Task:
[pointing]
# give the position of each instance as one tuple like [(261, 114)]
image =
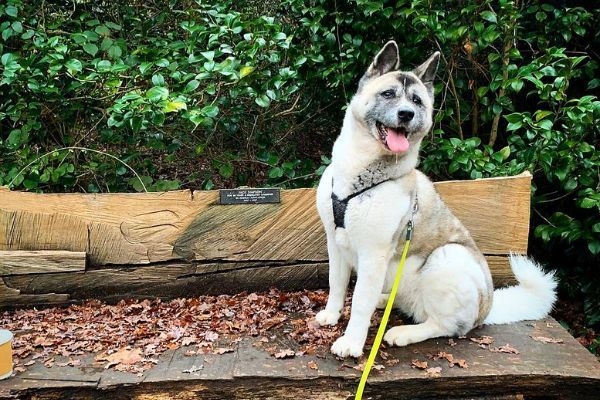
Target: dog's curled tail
[(532, 298)]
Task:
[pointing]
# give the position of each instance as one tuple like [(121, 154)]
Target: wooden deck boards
[(548, 370)]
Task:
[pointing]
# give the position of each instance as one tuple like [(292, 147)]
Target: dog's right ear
[(385, 61)]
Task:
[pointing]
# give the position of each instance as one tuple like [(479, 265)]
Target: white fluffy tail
[(532, 298)]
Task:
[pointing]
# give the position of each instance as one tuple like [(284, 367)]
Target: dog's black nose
[(405, 115)]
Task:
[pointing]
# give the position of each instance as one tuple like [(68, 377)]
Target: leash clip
[(409, 230)]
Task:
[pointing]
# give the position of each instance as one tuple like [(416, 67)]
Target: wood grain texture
[(22, 262), (495, 210), (148, 244), (175, 279), (550, 371)]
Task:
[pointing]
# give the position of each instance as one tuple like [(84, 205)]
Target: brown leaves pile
[(130, 335)]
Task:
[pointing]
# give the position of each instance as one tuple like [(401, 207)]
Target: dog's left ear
[(426, 71), (385, 61)]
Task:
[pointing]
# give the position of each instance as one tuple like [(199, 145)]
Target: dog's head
[(395, 106)]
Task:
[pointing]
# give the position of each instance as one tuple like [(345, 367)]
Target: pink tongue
[(397, 142)]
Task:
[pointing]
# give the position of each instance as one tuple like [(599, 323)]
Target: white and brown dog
[(369, 195)]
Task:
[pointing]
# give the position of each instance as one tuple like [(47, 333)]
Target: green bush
[(190, 94)]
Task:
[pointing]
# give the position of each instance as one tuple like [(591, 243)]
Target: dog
[(368, 197)]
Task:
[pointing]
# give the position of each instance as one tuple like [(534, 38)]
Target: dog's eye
[(417, 100), (388, 94)]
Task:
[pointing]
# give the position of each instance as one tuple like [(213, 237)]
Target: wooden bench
[(62, 248)]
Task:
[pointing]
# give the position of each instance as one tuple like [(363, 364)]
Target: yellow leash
[(385, 318)]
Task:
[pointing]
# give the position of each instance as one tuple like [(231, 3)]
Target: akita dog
[(369, 195)]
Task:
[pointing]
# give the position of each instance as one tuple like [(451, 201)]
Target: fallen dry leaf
[(483, 340), (419, 364), (70, 363), (287, 353), (125, 356), (451, 360), (504, 349), (434, 372), (546, 339), (312, 365)]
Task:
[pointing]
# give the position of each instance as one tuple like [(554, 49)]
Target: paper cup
[(6, 362)]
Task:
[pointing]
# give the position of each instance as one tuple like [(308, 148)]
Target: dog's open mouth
[(394, 139)]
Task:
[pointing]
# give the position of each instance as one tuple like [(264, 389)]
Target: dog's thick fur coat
[(366, 198)]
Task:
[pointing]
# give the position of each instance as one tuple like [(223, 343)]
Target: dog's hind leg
[(451, 288), (407, 334), (339, 276)]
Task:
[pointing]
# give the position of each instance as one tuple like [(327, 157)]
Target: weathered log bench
[(63, 248)]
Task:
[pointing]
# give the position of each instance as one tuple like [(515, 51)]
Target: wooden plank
[(563, 370), (180, 280), (22, 229), (495, 210), (122, 228), (142, 228), (22, 262), (11, 297)]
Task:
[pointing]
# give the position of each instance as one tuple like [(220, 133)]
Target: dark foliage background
[(101, 96)]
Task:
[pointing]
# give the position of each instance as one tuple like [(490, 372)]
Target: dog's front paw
[(345, 346), (397, 336), (325, 317)]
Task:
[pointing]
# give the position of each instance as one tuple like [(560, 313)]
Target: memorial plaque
[(249, 196)]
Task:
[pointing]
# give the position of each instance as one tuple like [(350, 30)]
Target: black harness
[(340, 205)]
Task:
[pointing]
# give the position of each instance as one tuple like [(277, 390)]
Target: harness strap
[(340, 205)]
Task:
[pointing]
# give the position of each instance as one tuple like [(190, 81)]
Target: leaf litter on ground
[(131, 335)]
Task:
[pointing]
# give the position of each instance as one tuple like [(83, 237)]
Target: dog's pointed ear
[(426, 71), (385, 61)]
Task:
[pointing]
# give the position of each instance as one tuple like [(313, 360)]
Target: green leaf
[(136, 123), (191, 86), (263, 101), (113, 26), (174, 106), (594, 247), (209, 55), (11, 11), (275, 173), (17, 27), (90, 48), (74, 66), (102, 30), (245, 71), (489, 16), (541, 114), (157, 93), (586, 202), (158, 80), (505, 152), (210, 111), (145, 66), (158, 119), (114, 51), (548, 71), (226, 170)]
